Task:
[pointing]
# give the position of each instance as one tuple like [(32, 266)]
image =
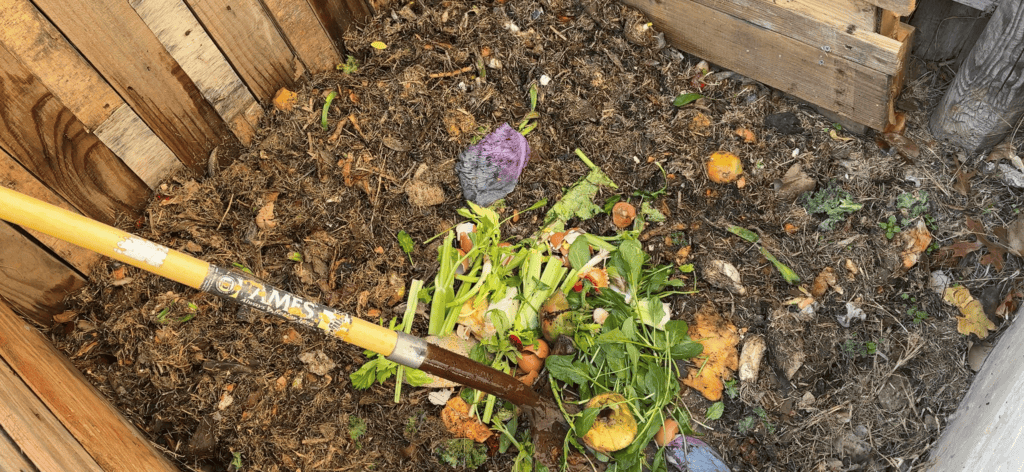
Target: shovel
[(549, 426)]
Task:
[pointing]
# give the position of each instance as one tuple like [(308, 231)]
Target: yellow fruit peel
[(720, 357), (973, 319)]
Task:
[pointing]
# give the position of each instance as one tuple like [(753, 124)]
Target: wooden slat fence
[(100, 101), (103, 99)]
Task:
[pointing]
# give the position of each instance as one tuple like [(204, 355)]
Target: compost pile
[(864, 361)]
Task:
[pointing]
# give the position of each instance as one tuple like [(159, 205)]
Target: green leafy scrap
[(834, 202), (462, 453), (350, 66), (715, 411), (686, 99), (578, 201), (787, 274), (650, 213)]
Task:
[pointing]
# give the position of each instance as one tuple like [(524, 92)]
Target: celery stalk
[(442, 286), (407, 318)]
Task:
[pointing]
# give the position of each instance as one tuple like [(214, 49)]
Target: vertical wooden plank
[(11, 457), (337, 15), (62, 70), (301, 27), (122, 48), (41, 437), (31, 279), (108, 437), (187, 42), (14, 176), (251, 42), (126, 135), (888, 23), (45, 137), (986, 98), (946, 30)]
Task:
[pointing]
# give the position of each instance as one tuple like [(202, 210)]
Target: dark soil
[(208, 380)]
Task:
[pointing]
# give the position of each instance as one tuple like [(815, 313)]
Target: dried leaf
[(1015, 236), (963, 181), (1003, 150), (995, 251), (974, 319), (915, 241), (903, 145), (960, 249), (455, 416), (719, 358), (824, 280), (795, 183), (396, 144), (265, 217), (1009, 304)]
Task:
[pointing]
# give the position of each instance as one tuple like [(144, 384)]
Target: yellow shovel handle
[(74, 228)]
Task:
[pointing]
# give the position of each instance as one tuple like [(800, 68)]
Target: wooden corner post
[(986, 99)]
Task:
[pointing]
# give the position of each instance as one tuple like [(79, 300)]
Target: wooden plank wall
[(59, 420), (95, 118), (829, 53)]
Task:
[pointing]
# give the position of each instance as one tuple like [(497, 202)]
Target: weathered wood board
[(126, 135), (14, 176), (251, 43), (32, 280), (47, 139), (337, 15), (986, 99), (11, 457), (111, 440), (986, 431), (848, 13), (829, 34), (189, 45), (902, 7), (36, 431), (132, 60), (307, 36), (63, 71), (850, 89), (948, 30)]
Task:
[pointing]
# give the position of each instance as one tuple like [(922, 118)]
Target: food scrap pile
[(801, 260)]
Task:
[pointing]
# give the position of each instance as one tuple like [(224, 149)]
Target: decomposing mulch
[(211, 382)]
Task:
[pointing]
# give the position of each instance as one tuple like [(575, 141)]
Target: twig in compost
[(441, 75), (355, 124), (225, 215)]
